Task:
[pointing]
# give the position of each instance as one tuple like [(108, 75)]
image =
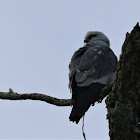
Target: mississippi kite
[(92, 67)]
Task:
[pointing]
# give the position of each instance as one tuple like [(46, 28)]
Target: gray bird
[(92, 67)]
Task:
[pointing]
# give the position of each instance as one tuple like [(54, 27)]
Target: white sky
[(37, 40)]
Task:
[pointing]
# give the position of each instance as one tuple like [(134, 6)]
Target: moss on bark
[(123, 103)]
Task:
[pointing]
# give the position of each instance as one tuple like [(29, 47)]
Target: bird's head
[(94, 36)]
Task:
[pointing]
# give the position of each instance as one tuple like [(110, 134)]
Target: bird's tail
[(84, 98)]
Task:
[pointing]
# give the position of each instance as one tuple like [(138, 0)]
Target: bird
[(92, 67)]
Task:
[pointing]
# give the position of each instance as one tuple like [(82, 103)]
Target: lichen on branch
[(11, 95)]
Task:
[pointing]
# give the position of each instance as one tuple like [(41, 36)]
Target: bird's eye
[(91, 36)]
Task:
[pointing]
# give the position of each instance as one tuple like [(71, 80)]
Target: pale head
[(94, 36)]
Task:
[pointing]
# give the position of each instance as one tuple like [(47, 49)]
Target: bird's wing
[(96, 64), (76, 58)]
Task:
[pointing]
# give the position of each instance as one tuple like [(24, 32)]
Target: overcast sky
[(37, 40)]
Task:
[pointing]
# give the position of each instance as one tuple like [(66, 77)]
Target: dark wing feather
[(92, 63), (76, 58)]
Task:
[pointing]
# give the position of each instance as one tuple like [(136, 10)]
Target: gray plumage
[(91, 64)]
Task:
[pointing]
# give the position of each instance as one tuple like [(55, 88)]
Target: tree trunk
[(123, 103)]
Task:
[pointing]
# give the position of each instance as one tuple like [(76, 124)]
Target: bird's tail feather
[(84, 97)]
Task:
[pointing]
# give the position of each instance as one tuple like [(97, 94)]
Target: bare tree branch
[(42, 97)]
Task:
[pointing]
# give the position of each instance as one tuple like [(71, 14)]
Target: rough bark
[(123, 102)]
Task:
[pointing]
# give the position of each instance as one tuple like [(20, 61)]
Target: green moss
[(122, 116)]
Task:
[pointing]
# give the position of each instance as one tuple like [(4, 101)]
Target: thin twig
[(84, 135)]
